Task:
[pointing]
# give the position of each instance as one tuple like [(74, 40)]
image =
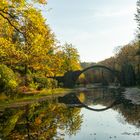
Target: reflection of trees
[(106, 97), (9, 125), (130, 112), (43, 121), (102, 96)]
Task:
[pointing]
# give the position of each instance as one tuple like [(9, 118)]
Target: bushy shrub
[(34, 85), (45, 82), (8, 79)]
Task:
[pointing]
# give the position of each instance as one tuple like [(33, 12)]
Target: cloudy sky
[(94, 27)]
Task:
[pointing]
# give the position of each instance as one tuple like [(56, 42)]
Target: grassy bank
[(24, 98)]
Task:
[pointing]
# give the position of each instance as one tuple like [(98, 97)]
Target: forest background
[(30, 52)]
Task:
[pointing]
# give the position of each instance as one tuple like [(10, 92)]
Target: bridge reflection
[(72, 100)]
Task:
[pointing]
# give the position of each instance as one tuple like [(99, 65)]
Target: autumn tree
[(27, 44), (70, 57), (26, 40)]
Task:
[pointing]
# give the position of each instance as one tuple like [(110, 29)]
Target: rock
[(132, 94)]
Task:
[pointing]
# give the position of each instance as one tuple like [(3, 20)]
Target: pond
[(88, 114)]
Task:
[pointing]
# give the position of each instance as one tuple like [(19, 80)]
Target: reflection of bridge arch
[(116, 102), (72, 100)]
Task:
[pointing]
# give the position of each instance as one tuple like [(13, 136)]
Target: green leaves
[(7, 78), (11, 122)]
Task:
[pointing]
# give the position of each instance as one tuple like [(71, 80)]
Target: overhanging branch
[(12, 24)]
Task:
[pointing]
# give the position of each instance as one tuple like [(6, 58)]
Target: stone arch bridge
[(69, 78)]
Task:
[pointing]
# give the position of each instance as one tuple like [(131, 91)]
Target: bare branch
[(11, 23)]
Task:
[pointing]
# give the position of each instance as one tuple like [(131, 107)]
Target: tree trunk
[(25, 74)]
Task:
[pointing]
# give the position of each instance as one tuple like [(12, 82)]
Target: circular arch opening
[(97, 75)]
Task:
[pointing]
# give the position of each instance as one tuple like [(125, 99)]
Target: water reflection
[(114, 98), (59, 118), (45, 120), (78, 100)]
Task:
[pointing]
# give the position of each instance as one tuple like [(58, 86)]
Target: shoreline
[(32, 97), (132, 94)]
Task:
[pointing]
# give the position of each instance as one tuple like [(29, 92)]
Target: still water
[(91, 114)]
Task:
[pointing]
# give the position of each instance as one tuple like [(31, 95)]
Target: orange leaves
[(37, 121), (43, 1)]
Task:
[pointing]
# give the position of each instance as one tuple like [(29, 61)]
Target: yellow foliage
[(81, 97), (37, 121)]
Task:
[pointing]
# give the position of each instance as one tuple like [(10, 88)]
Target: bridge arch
[(99, 66), (70, 78), (113, 72)]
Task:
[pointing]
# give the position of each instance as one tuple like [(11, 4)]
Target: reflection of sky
[(104, 125), (95, 27)]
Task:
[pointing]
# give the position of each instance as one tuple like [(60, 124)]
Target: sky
[(94, 27)]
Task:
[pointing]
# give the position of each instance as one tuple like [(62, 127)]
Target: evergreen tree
[(138, 36), (128, 75)]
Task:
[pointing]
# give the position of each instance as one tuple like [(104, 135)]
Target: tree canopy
[(27, 43)]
